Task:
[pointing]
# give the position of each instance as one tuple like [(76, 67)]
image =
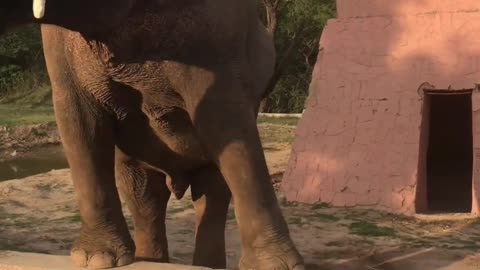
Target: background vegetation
[(295, 24)]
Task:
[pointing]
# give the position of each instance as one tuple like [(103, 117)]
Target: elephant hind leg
[(238, 153), (211, 198), (146, 194)]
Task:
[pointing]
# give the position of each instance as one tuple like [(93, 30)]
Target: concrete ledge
[(281, 115), (10, 260)]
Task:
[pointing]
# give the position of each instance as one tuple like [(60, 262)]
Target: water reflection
[(36, 161)]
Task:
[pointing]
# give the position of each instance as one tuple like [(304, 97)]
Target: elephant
[(154, 97)]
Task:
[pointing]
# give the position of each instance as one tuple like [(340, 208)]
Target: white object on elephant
[(39, 8)]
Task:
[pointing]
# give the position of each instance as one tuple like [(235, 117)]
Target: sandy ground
[(39, 214)]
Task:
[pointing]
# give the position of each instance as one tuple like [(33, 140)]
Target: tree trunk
[(271, 11)]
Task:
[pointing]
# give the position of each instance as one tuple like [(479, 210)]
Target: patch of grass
[(21, 221), (355, 214), (295, 220), (397, 217), (16, 115), (326, 217), (286, 121), (76, 218), (322, 205), (364, 228), (32, 91)]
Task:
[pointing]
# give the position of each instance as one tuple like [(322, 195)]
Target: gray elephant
[(152, 97)]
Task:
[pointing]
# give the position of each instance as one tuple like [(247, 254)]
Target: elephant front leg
[(211, 198), (233, 139), (146, 194), (86, 132)]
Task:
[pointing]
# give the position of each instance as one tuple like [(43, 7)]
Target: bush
[(22, 66), (300, 23)]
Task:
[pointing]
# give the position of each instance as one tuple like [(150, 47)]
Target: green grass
[(295, 220), (12, 115), (76, 218), (284, 121), (322, 205), (29, 93), (326, 217)]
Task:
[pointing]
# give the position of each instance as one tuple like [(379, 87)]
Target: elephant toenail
[(101, 261), (299, 267), (79, 257), (125, 259)]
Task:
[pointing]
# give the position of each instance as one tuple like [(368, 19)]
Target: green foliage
[(22, 66), (300, 23), (24, 43), (15, 115)]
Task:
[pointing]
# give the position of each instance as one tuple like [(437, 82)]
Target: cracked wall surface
[(358, 141)]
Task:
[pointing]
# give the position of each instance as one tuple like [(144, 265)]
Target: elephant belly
[(165, 141)]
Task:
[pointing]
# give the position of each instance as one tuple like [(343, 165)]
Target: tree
[(296, 26), (20, 52)]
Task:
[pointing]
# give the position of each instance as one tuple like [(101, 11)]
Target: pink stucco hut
[(392, 121)]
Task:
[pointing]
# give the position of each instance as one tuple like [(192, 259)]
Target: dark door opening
[(450, 153)]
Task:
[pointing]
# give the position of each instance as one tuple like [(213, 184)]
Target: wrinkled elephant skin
[(152, 97)]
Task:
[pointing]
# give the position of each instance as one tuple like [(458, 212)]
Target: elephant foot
[(151, 247), (100, 249), (272, 255), (272, 262)]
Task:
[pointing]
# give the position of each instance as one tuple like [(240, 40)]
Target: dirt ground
[(39, 214)]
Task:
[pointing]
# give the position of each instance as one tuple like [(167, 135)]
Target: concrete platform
[(10, 260)]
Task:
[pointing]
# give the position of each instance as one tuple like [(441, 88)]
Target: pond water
[(36, 161)]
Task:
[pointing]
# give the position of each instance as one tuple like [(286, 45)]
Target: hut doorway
[(449, 151)]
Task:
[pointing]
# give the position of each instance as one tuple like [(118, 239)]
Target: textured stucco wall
[(358, 141), (372, 8)]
